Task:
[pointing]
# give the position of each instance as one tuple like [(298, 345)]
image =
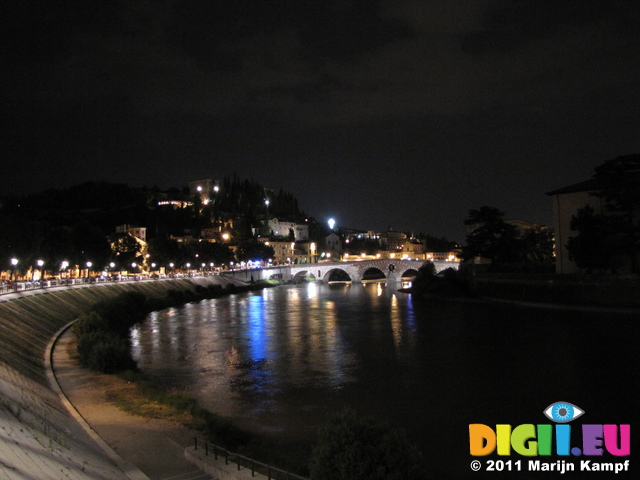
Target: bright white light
[(64, 265), (14, 261), (40, 263), (89, 264), (331, 223)]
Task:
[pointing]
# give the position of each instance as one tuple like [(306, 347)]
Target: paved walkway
[(154, 446)]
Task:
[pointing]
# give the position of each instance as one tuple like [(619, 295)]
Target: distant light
[(331, 223), (40, 263), (89, 264), (111, 265), (199, 188)]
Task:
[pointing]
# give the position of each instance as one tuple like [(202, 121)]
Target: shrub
[(122, 312), (105, 352), (354, 448)]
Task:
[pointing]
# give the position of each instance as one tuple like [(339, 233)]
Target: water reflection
[(281, 360)]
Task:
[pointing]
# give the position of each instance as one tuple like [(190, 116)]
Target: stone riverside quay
[(38, 436)]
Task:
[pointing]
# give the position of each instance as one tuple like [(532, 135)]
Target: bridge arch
[(374, 273), (409, 272), (339, 273), (303, 275)]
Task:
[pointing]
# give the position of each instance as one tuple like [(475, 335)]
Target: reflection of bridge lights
[(312, 289)]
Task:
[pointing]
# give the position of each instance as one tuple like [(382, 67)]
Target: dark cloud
[(391, 112), (511, 25)]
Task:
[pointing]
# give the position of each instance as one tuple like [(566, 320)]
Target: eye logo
[(563, 412)]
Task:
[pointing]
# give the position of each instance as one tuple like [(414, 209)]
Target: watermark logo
[(562, 412), (546, 440)]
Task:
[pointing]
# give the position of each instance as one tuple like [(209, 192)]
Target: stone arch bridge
[(392, 269)]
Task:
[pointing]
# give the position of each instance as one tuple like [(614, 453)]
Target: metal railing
[(256, 467), (25, 285)]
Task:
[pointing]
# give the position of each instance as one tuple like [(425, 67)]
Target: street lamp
[(39, 263), (14, 263)]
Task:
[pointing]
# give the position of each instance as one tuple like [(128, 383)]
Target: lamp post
[(14, 263), (40, 263), (63, 268)]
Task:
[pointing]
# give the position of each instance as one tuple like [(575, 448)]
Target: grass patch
[(140, 395)]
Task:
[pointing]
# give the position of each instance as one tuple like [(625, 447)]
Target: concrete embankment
[(38, 437), (619, 291)]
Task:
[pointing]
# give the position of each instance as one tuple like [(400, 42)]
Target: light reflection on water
[(280, 360)]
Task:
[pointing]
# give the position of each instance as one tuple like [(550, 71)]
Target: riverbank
[(154, 443), (38, 437), (579, 291)]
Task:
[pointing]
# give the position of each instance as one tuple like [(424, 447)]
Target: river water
[(278, 361)]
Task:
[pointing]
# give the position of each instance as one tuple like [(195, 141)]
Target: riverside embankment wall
[(584, 290), (38, 437)]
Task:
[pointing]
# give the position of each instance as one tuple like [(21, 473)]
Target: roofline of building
[(590, 185)]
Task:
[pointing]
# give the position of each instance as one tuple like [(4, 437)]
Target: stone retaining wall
[(38, 437)]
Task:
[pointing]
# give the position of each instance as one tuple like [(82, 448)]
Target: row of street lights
[(88, 265)]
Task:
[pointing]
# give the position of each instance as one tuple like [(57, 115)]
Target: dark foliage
[(350, 447)]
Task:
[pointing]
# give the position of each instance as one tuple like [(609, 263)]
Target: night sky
[(390, 113)]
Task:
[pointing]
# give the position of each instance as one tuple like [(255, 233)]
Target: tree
[(490, 236), (618, 183), (251, 249), (592, 247), (355, 448), (208, 252), (537, 245), (165, 251), (126, 248)]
